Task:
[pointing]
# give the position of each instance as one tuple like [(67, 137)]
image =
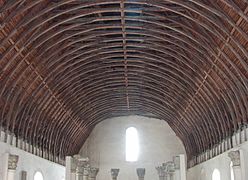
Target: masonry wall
[(30, 163), (106, 146), (221, 162)]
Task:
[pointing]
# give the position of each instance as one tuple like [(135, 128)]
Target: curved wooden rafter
[(67, 65)]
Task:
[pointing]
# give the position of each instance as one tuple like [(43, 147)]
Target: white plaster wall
[(30, 163), (106, 146), (222, 162)]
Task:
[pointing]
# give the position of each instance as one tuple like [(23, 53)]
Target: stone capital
[(86, 171), (12, 161), (141, 172), (169, 167), (114, 173), (161, 171), (80, 161), (235, 157), (93, 172)]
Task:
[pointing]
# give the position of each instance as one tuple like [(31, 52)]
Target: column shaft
[(79, 177), (11, 174), (237, 172)]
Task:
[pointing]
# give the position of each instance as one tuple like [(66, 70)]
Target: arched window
[(231, 170), (132, 144), (38, 176), (216, 175)]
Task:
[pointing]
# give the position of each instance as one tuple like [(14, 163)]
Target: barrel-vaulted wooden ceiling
[(66, 65)]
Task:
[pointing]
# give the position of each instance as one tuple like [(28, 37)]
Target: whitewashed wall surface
[(105, 146), (29, 163), (222, 162)]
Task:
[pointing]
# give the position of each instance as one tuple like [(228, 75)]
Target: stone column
[(12, 165), (114, 173), (69, 168), (176, 160), (235, 158), (161, 172), (79, 173), (141, 173), (169, 169), (80, 163), (93, 173)]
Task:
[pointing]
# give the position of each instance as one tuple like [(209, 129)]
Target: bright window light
[(38, 176), (132, 144), (216, 175)]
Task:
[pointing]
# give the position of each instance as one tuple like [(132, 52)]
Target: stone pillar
[(12, 165), (141, 173), (235, 158), (114, 173), (80, 163), (183, 166), (176, 160), (93, 173), (161, 172), (73, 174), (79, 173), (68, 168), (169, 169)]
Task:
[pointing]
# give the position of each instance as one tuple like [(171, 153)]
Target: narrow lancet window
[(38, 176), (216, 174), (132, 144)]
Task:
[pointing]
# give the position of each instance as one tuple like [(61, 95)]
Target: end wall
[(106, 146)]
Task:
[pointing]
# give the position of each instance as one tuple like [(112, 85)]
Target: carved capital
[(169, 167), (235, 157), (141, 172), (93, 172), (161, 171), (114, 173), (86, 171), (80, 161), (12, 161)]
